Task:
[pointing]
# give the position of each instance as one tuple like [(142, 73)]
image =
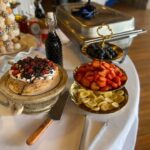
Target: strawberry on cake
[(33, 76)]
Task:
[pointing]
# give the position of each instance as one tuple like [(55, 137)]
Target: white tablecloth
[(76, 129)]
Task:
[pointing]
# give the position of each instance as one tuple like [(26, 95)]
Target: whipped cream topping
[(29, 69), (44, 77)]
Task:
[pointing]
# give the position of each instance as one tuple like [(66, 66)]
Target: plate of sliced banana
[(98, 102)]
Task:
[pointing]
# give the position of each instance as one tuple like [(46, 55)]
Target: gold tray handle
[(104, 37)]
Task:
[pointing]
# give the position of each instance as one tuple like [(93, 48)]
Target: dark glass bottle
[(53, 44), (38, 11)]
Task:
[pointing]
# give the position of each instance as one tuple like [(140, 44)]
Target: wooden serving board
[(35, 98)]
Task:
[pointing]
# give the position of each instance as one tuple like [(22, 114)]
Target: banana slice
[(120, 92), (115, 104), (85, 100), (114, 96), (92, 96), (101, 103), (89, 106), (104, 107), (101, 97), (81, 90), (108, 94), (98, 100), (119, 99), (96, 108), (84, 94), (110, 106), (108, 100), (92, 103)]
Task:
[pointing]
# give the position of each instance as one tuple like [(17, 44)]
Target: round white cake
[(33, 76)]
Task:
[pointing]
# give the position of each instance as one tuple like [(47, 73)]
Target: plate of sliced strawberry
[(100, 76)]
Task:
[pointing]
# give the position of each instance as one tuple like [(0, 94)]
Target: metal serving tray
[(117, 21), (83, 31)]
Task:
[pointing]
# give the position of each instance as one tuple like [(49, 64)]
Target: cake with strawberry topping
[(33, 76)]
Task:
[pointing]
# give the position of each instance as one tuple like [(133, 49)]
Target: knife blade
[(54, 114)]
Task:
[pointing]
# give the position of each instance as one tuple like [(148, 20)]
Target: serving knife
[(54, 114)]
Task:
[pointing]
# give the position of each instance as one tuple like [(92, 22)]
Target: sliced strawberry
[(89, 73), (106, 65), (30, 70), (112, 66), (101, 68), (119, 83), (15, 72), (85, 82), (82, 69), (89, 67), (96, 63), (45, 72), (94, 86), (33, 63), (78, 77), (123, 78), (113, 74), (13, 67), (27, 66), (90, 78), (50, 63), (112, 84), (102, 79), (116, 69), (105, 88), (109, 76), (103, 73), (101, 83), (119, 73), (96, 77), (116, 79)]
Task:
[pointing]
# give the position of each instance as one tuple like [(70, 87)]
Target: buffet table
[(77, 129)]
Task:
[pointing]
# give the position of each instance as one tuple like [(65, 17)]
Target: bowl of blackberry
[(102, 51)]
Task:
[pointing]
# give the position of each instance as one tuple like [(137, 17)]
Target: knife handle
[(37, 133)]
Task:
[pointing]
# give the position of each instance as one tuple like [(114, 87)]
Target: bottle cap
[(51, 16)]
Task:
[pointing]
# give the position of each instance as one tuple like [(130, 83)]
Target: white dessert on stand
[(9, 31)]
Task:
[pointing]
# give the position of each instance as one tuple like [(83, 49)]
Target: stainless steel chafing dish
[(82, 31)]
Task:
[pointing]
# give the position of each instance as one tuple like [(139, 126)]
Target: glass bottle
[(53, 44), (38, 10)]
